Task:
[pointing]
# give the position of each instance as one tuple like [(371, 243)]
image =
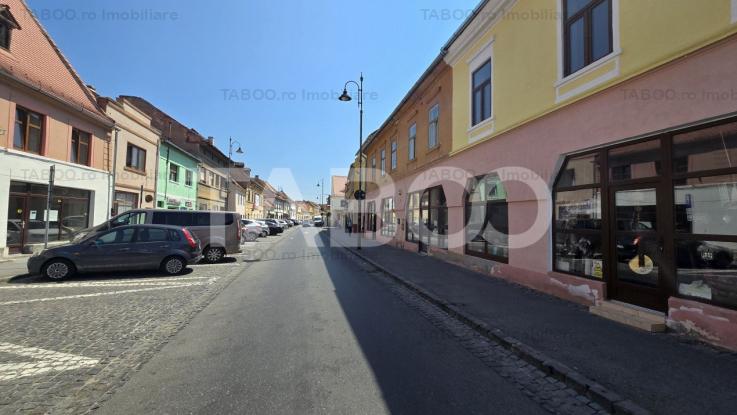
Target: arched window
[(487, 223), (577, 216)]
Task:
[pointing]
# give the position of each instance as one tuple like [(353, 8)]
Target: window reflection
[(635, 161), (636, 210), (707, 270), (578, 209), (707, 149), (579, 254), (580, 171), (707, 205)]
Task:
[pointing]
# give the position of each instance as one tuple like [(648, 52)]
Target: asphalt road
[(307, 330)]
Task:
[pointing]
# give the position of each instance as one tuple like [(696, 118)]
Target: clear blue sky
[(241, 68)]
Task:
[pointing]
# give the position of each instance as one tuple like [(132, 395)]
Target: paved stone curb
[(610, 400)]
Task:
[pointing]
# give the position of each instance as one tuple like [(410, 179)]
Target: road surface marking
[(124, 283), (43, 361), (68, 297)]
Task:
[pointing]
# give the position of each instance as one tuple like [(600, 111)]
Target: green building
[(177, 182)]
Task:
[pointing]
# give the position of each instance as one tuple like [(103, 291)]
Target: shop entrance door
[(641, 244), (17, 217)]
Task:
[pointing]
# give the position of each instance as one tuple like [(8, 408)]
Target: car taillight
[(190, 239)]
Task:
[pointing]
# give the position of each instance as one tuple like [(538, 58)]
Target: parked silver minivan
[(218, 232)]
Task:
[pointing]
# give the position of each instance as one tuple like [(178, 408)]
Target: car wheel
[(250, 237), (58, 269), (213, 254), (173, 265)]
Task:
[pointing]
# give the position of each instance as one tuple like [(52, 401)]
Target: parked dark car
[(276, 225), (125, 248), (219, 232)]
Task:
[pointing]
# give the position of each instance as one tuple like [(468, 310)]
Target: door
[(17, 217), (111, 251), (424, 228), (640, 244), (151, 247)]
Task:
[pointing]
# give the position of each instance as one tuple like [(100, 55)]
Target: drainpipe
[(111, 188), (156, 172), (166, 179)]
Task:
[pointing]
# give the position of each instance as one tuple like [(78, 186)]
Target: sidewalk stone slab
[(663, 373)]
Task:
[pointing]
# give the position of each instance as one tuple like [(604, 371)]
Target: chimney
[(211, 140)]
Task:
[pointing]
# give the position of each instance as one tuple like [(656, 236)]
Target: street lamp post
[(232, 142), (345, 98), (322, 196)]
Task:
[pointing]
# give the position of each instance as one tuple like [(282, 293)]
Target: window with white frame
[(587, 33), (481, 93)]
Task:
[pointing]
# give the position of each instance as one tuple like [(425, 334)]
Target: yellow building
[(592, 157)]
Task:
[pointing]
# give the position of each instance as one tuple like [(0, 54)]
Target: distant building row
[(110, 155)]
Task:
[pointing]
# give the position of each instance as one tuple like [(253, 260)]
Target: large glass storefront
[(427, 218), (27, 215), (653, 218), (487, 227)]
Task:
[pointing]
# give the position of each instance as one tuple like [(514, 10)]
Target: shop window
[(388, 217), (705, 213), (371, 208), (635, 161), (434, 214), (707, 149), (577, 218), (80, 147), (487, 227), (707, 270), (587, 31), (412, 223), (125, 201), (580, 171), (28, 134)]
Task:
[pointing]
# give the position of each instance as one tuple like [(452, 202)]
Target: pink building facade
[(639, 202)]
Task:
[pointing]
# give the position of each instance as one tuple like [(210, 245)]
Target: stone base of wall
[(575, 289), (713, 324)]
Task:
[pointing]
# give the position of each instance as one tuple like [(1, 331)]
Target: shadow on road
[(418, 368)]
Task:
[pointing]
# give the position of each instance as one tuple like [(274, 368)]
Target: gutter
[(443, 51), (100, 119), (113, 175)]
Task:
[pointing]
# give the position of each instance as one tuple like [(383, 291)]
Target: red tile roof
[(35, 59)]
